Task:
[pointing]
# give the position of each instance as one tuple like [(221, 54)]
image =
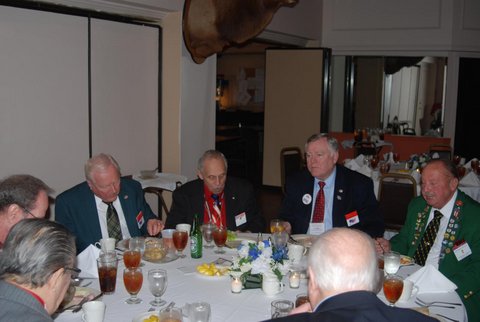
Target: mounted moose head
[(210, 26)]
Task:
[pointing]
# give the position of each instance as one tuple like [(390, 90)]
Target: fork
[(436, 305), (421, 302)]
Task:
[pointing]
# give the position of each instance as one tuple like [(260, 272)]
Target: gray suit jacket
[(18, 305)]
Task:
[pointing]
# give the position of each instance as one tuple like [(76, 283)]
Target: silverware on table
[(436, 305), (446, 317), (422, 302), (84, 300)]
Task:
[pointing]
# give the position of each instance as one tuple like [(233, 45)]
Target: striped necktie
[(428, 239), (319, 210), (217, 209), (113, 224)]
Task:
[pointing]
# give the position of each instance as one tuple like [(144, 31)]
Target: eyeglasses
[(74, 272), (30, 213)]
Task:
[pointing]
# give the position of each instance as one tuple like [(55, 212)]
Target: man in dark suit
[(342, 265), (216, 198), (105, 205), (329, 195)]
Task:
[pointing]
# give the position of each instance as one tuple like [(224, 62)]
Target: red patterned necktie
[(319, 211), (428, 239), (217, 210)]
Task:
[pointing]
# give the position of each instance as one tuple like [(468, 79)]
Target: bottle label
[(196, 246)]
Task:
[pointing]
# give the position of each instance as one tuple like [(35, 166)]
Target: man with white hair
[(342, 265)]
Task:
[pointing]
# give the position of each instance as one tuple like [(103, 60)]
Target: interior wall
[(293, 104), (368, 92)]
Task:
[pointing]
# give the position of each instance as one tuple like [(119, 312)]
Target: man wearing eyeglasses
[(105, 205), (21, 196)]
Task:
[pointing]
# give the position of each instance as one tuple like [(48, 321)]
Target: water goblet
[(392, 288), (180, 238), (207, 231), (280, 239), (157, 280), (391, 262), (396, 157), (133, 280), (220, 238), (276, 225)]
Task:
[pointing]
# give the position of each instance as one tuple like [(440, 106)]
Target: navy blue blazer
[(353, 191), (76, 209), (239, 197), (357, 306)]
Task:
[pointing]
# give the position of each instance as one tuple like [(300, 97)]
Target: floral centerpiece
[(417, 161), (257, 259)]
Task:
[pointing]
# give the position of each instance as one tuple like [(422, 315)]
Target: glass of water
[(391, 262), (207, 231), (157, 280)]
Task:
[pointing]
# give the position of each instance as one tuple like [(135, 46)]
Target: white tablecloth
[(457, 313), (167, 181), (249, 305)]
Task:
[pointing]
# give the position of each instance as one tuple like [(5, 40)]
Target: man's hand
[(305, 307), (382, 245), (154, 226)]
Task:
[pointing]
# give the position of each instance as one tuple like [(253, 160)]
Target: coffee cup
[(296, 252), (271, 285), (409, 289), (93, 311), (106, 244)]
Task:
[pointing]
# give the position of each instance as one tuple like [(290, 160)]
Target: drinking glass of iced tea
[(180, 238), (107, 272), (220, 238), (132, 258), (276, 225), (133, 280), (392, 288)]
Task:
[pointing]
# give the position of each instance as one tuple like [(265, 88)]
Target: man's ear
[(54, 279), (199, 174), (13, 211)]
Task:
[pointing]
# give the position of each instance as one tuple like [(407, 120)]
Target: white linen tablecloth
[(249, 305)]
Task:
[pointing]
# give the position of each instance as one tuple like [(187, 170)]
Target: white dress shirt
[(434, 254), (102, 217), (328, 190)]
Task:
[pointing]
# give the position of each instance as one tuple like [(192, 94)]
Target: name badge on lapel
[(140, 219), (352, 218), (462, 250), (241, 219)]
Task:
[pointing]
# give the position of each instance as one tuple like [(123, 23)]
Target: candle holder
[(236, 284), (294, 279)]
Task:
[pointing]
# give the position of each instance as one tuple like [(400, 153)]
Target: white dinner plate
[(144, 316), (305, 240), (80, 293), (237, 241)]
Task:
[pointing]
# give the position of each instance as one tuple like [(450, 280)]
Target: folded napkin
[(360, 159), (429, 280), (352, 165), (388, 157), (468, 165), (470, 180), (87, 262), (365, 170)]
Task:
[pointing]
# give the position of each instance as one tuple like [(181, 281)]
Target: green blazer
[(465, 227)]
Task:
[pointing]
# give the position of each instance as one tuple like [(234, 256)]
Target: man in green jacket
[(455, 248)]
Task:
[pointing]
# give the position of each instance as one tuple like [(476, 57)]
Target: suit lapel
[(128, 208)]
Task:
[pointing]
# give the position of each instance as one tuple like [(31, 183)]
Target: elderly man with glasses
[(36, 267), (21, 196)]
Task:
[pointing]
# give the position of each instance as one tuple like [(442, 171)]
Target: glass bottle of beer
[(196, 238)]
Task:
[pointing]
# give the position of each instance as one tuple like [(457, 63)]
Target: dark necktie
[(428, 239), (319, 211), (113, 224)]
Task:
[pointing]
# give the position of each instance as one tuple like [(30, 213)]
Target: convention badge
[(241, 219), (140, 219), (306, 199), (462, 250), (316, 228), (352, 218)]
